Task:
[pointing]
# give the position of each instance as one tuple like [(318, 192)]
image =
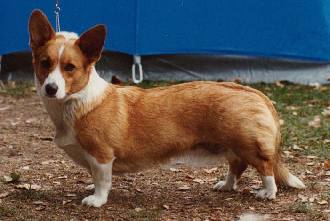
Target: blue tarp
[(269, 28)]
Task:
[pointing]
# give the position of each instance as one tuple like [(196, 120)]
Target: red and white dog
[(117, 129)]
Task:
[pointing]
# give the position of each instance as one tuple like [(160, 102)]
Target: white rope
[(57, 15)]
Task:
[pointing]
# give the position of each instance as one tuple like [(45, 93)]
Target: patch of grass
[(7, 211), (17, 89), (145, 214), (32, 195), (300, 208)]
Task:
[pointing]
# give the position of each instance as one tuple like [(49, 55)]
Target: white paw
[(266, 194), (223, 186), (95, 201)]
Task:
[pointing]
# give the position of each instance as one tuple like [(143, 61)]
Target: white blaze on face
[(55, 77)]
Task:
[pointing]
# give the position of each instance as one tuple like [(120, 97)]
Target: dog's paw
[(95, 201), (266, 194), (223, 186)]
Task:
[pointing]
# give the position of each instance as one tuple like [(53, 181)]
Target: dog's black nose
[(51, 89)]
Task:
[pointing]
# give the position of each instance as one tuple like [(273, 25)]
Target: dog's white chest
[(65, 136), (70, 145)]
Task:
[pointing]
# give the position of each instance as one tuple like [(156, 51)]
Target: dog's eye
[(45, 63), (69, 67)]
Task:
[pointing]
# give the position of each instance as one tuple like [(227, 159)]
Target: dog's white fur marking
[(229, 184), (269, 190), (55, 77), (102, 178), (93, 91), (67, 35), (295, 182)]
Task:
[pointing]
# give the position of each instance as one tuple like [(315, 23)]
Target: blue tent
[(282, 28)]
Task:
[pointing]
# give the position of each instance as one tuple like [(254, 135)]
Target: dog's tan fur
[(143, 127)]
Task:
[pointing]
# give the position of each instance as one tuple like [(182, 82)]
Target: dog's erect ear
[(40, 29), (91, 42)]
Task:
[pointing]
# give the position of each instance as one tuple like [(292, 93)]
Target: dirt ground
[(50, 186)]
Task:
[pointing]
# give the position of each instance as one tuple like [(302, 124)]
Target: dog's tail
[(282, 174)]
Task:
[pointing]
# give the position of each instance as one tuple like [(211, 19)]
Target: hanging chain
[(57, 15)]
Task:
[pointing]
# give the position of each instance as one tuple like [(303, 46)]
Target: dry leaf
[(327, 165), (39, 208), (200, 181), (311, 199), (66, 202), (295, 147), (184, 187), (326, 113), (12, 178), (316, 85), (71, 195), (7, 179), (4, 108), (208, 171), (47, 162), (303, 198), (166, 207), (281, 121), (292, 108), (62, 177), (190, 176), (5, 194), (311, 157), (212, 179), (30, 120), (25, 168), (316, 122), (39, 203), (279, 84), (138, 190), (138, 209), (323, 202), (174, 169), (28, 186), (254, 217)]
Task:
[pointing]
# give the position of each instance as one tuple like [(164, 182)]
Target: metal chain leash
[(57, 15)]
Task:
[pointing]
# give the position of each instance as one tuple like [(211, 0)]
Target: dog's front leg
[(102, 179)]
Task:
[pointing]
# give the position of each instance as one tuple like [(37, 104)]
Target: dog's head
[(63, 61)]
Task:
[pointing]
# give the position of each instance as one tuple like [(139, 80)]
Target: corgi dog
[(113, 129)]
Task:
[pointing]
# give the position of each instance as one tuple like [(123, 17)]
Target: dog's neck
[(64, 112)]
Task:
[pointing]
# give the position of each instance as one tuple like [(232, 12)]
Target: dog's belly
[(201, 155)]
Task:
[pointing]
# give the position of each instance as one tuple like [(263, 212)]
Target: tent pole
[(137, 64)]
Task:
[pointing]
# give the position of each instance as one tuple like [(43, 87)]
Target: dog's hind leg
[(262, 157), (236, 169)]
